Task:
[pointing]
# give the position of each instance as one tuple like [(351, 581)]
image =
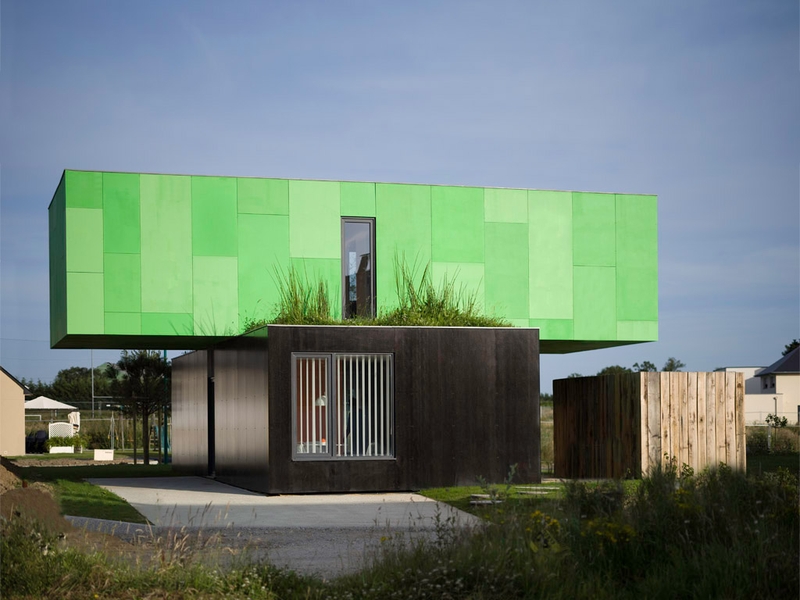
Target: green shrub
[(757, 441), (96, 440), (784, 442), (76, 441)]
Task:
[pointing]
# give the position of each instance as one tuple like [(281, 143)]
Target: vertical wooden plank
[(741, 453), (666, 419), (675, 417), (720, 415), (711, 420), (701, 421), (642, 425), (691, 399), (730, 419), (653, 400), (683, 421)]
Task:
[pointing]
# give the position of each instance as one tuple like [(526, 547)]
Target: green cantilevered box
[(177, 261)]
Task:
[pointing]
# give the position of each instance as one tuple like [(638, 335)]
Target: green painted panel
[(357, 199), (594, 235), (263, 196), (323, 269), (402, 230), (57, 222), (167, 324), (263, 249), (505, 206), (123, 283), (314, 221), (123, 323), (554, 329), (84, 189), (550, 254), (637, 330), (519, 322), (469, 278), (216, 300), (214, 216), (507, 269), (637, 258), (121, 230), (595, 303), (84, 240), (85, 303), (166, 221), (457, 218)]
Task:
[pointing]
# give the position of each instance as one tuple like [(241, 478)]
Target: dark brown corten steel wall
[(466, 405), (626, 425), (190, 413), (241, 429)]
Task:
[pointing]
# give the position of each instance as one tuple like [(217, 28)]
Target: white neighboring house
[(772, 390)]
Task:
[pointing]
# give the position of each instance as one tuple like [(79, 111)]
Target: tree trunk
[(146, 437), (134, 434)]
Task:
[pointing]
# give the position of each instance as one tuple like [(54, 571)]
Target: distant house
[(12, 415), (772, 390), (781, 380)]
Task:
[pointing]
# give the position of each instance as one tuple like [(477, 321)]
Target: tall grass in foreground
[(675, 535)]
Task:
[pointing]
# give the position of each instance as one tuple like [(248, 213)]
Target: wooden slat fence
[(624, 425)]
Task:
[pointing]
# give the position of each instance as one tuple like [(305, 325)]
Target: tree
[(574, 375), (141, 381), (615, 370), (673, 364), (791, 346), (37, 388), (646, 366)]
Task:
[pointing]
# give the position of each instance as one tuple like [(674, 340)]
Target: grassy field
[(770, 463)]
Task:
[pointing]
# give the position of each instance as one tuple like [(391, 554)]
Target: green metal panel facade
[(175, 261)]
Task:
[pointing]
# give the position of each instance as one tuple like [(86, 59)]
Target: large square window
[(343, 406)]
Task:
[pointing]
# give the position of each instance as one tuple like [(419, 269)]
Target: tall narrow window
[(358, 267)]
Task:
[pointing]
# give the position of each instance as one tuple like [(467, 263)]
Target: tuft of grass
[(304, 301), (422, 303)]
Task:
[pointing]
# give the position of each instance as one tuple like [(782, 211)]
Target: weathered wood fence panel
[(624, 425)]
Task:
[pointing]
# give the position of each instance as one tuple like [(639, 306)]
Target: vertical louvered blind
[(347, 411)]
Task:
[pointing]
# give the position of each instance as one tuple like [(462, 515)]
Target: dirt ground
[(36, 502)]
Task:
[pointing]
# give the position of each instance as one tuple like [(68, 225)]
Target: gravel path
[(324, 551)]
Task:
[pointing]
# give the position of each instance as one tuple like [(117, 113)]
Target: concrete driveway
[(325, 534)]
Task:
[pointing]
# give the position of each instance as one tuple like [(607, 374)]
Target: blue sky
[(694, 101)]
